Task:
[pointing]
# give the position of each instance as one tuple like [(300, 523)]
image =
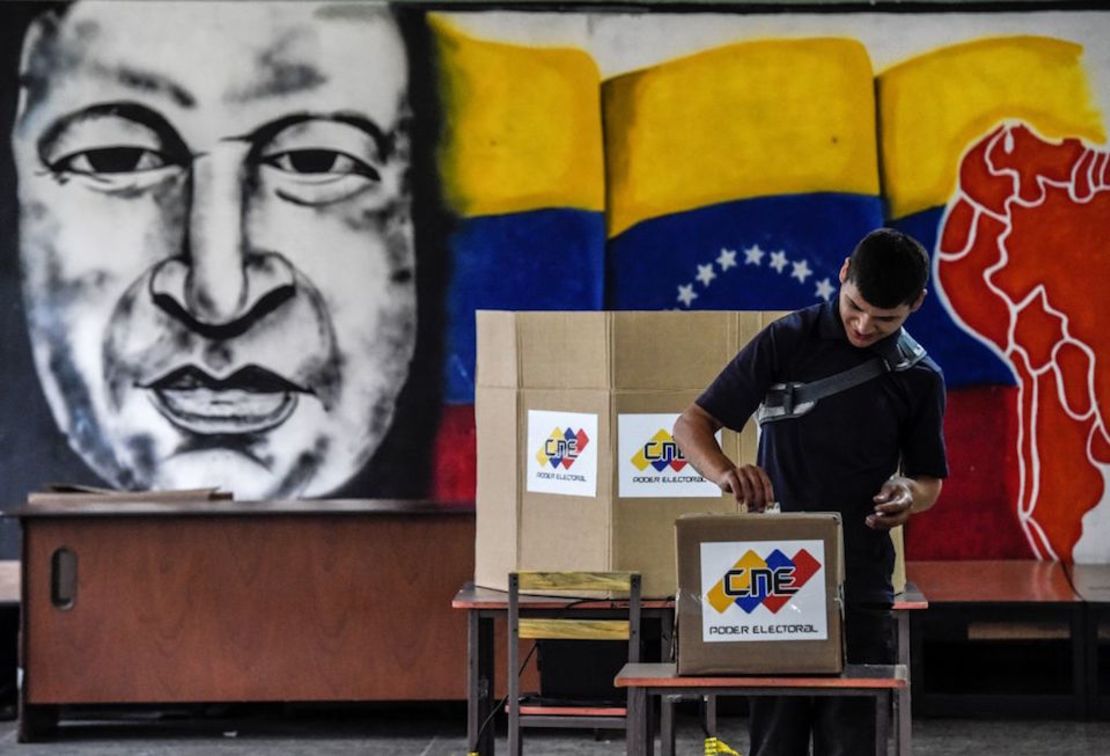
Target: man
[(873, 452), (216, 238)]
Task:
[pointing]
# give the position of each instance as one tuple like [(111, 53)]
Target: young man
[(874, 452)]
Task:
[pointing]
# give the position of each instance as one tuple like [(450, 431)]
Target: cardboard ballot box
[(760, 594), (577, 469)]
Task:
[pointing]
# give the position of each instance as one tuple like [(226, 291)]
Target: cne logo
[(754, 581), (562, 448), (660, 453)]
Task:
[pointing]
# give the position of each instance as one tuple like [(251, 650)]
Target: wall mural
[(243, 242)]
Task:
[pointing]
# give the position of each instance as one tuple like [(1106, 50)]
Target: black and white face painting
[(216, 238)]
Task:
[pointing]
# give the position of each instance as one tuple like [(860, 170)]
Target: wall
[(579, 159)]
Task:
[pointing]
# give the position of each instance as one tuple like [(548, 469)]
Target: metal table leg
[(904, 723), (479, 689)]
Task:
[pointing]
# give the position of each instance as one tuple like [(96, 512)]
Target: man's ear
[(920, 299), (844, 270)]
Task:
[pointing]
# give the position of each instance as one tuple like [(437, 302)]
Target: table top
[(665, 675), (476, 597), (992, 581), (1091, 581), (80, 505)]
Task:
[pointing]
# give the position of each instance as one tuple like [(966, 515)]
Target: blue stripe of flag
[(537, 260)]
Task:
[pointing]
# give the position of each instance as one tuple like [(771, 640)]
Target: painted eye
[(321, 164), (111, 160)]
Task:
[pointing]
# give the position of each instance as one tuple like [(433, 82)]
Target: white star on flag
[(824, 289), (778, 261), (686, 294), (705, 274), (753, 255), (727, 258), (801, 271)]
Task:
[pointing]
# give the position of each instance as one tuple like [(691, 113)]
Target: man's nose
[(221, 279)]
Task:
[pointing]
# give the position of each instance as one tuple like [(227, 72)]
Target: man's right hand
[(749, 485)]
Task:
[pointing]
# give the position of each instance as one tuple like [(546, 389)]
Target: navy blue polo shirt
[(836, 457)]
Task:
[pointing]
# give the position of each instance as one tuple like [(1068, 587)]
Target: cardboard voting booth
[(760, 594), (577, 469)]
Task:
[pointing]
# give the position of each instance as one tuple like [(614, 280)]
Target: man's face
[(865, 324), (216, 239)]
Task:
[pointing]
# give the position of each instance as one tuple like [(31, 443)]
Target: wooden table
[(9, 632), (645, 680), (1092, 583), (993, 624), (227, 601), (483, 605)]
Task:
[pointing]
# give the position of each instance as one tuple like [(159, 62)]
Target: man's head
[(216, 238), (881, 284)]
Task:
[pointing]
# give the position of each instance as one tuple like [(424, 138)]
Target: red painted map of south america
[(1024, 263)]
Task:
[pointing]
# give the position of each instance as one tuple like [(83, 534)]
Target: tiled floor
[(440, 731)]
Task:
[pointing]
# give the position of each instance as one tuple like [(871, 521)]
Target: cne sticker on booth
[(650, 463), (562, 453), (763, 591)]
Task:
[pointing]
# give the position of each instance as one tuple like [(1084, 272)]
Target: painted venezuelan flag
[(520, 164), (739, 177), (992, 201)]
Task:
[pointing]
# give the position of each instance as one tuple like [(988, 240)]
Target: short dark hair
[(889, 268)]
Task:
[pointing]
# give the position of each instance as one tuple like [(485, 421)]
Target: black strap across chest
[(789, 400)]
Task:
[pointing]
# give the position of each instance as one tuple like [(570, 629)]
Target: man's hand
[(893, 503), (899, 498), (749, 485)]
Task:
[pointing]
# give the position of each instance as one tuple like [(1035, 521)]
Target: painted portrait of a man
[(216, 239)]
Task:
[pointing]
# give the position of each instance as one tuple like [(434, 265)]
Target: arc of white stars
[(753, 255)]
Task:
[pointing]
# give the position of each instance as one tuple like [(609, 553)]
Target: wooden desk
[(9, 633), (243, 601), (9, 583), (483, 605), (1092, 583), (644, 680), (996, 638)]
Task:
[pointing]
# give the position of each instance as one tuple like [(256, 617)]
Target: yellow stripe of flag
[(933, 107), (522, 126), (752, 119)]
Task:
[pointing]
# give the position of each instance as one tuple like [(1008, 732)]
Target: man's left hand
[(892, 505)]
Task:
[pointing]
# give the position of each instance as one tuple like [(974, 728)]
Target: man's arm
[(901, 497), (694, 432)]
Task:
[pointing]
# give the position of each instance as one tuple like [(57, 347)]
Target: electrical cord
[(501, 703)]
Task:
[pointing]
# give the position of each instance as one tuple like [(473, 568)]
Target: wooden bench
[(1092, 583), (1000, 638), (646, 680)]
